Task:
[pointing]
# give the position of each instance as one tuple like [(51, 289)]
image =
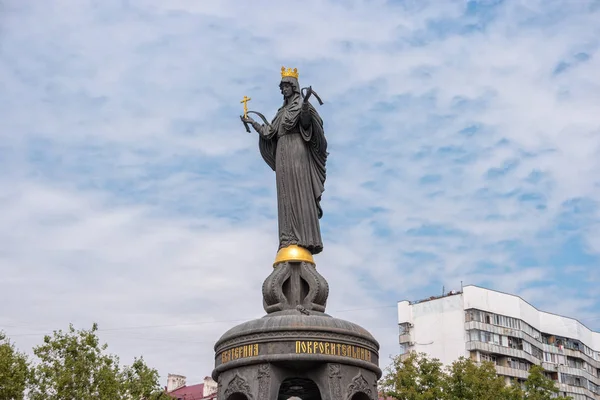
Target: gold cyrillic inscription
[(332, 349), (249, 350)]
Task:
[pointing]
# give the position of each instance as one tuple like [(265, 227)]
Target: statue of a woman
[(294, 146)]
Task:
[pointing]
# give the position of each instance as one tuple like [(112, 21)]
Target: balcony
[(572, 353), (499, 330), (505, 351), (570, 390), (512, 372), (405, 338)]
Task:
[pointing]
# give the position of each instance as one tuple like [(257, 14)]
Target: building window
[(474, 336), (551, 358), (518, 364), (488, 357), (576, 363), (404, 328), (404, 348), (573, 380), (486, 337), (515, 343), (593, 387), (470, 315)]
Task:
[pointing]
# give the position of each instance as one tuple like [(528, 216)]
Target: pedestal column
[(296, 349)]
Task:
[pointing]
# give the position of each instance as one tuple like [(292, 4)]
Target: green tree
[(468, 380), (14, 370), (539, 387), (141, 382), (417, 377), (74, 365), (514, 391), (414, 377)]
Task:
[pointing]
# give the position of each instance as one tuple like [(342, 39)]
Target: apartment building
[(488, 325)]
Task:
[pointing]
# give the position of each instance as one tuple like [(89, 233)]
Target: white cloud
[(132, 196)]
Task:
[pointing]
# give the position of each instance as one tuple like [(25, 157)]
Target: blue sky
[(464, 143)]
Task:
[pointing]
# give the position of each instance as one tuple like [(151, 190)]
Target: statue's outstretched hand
[(248, 120)]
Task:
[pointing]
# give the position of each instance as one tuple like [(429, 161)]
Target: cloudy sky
[(464, 141)]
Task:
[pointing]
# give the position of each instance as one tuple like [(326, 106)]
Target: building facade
[(179, 390), (487, 325)]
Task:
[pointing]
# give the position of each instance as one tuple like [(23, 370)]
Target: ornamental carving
[(273, 297), (359, 385), (335, 377), (316, 299), (278, 293), (238, 385), (267, 336), (264, 381)]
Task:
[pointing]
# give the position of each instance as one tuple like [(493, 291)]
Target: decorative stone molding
[(273, 296), (238, 385), (295, 286), (269, 336), (335, 377), (359, 385), (264, 381)]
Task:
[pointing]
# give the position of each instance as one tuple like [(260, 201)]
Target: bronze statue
[(294, 146), (296, 349)]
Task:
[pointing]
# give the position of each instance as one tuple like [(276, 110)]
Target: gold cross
[(245, 100)]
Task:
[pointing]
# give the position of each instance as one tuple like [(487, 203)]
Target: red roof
[(193, 392)]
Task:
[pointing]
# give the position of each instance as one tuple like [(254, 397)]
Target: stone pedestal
[(296, 349)]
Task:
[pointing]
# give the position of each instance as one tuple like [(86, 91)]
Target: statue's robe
[(298, 155)]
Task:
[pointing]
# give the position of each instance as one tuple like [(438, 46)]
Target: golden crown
[(292, 73)]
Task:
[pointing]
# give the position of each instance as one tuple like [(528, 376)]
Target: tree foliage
[(466, 380), (418, 377), (414, 378), (14, 371), (141, 382), (75, 365), (538, 387)]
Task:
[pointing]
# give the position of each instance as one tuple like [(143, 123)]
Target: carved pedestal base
[(296, 349), (310, 356), (329, 381), (295, 285)]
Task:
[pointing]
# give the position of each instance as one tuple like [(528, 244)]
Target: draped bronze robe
[(297, 152)]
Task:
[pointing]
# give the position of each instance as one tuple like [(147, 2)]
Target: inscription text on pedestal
[(297, 347), (333, 349), (249, 350)]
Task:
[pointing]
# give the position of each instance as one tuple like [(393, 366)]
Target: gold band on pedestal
[(293, 253)]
